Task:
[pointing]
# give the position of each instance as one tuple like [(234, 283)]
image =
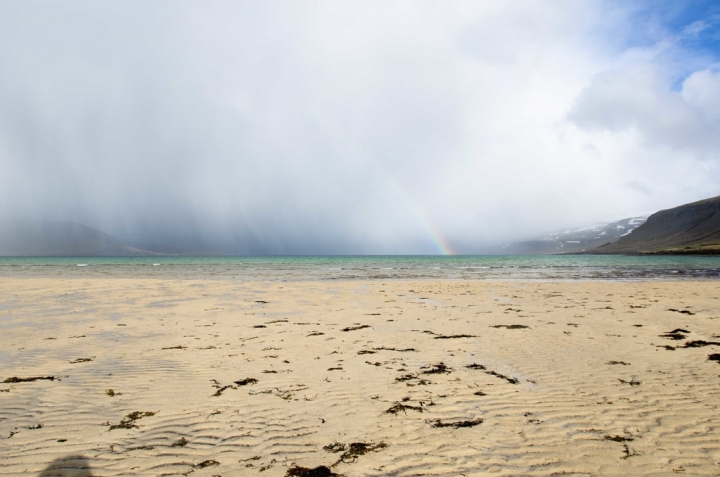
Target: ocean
[(395, 267)]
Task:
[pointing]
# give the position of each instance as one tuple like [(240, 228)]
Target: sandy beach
[(112, 377)]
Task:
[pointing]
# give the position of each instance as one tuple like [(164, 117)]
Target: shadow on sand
[(68, 466)]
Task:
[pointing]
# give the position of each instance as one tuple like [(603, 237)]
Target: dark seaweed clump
[(398, 407), (404, 350), (493, 373), (439, 368), (320, 471), (476, 366), (81, 360), (457, 424), (450, 337), (206, 463), (222, 388), (684, 312), (353, 328), (409, 377), (405, 377), (714, 357), (510, 327), (700, 343), (15, 379), (619, 438), (502, 376), (351, 452), (128, 422), (676, 334), (246, 381)]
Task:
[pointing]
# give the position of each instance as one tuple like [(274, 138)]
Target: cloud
[(642, 100), (353, 127)]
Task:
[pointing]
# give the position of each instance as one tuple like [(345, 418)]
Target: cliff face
[(27, 238), (690, 228)]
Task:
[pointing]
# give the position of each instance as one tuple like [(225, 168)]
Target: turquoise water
[(483, 267)]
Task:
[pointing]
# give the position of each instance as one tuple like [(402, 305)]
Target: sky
[(368, 127)]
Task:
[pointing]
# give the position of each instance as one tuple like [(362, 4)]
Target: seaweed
[(259, 326), (352, 451), (700, 343), (320, 471), (222, 388), (457, 424), (619, 362), (206, 463), (246, 381), (335, 447), (111, 393), (406, 377), (353, 328), (439, 368), (673, 335), (262, 301), (128, 422), (366, 351), (316, 333), (684, 312), (15, 379), (676, 334), (175, 347), (182, 442), (80, 360), (398, 407), (404, 350), (479, 393), (476, 366), (632, 382), (618, 438), (450, 337), (628, 452), (714, 357), (510, 327), (502, 376)]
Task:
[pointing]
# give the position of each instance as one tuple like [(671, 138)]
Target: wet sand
[(218, 377)]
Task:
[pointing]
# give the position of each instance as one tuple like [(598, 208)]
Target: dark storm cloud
[(316, 127)]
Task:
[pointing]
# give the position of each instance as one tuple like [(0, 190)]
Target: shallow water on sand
[(468, 267)]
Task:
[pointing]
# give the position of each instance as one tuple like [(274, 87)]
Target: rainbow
[(440, 243)]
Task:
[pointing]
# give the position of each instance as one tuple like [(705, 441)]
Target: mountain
[(688, 229), (25, 238), (575, 240)]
